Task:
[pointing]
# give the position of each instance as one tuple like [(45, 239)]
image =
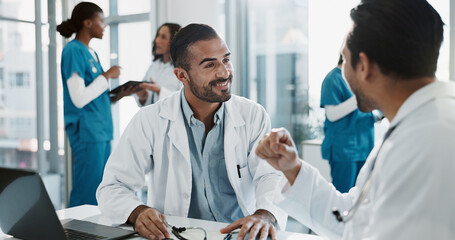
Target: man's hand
[(278, 149), (149, 223), (261, 222)]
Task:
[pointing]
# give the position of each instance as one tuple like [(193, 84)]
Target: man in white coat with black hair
[(198, 148), (405, 189)]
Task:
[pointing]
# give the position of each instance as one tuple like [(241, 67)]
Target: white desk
[(91, 213)]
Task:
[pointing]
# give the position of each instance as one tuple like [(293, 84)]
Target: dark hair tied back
[(81, 12), (66, 28)]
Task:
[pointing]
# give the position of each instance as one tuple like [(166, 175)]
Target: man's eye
[(209, 65), (226, 60)]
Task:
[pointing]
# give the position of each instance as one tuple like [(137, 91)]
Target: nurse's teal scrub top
[(93, 122), (352, 137)]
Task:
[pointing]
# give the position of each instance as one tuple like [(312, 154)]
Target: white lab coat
[(156, 143), (412, 192), (162, 74)]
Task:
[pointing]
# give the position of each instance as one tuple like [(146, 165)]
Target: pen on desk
[(238, 171), (228, 236)]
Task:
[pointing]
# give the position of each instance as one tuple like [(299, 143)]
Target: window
[(2, 79), (140, 6), (134, 62), (19, 79), (18, 9), (15, 40), (18, 135), (1, 45), (278, 63), (443, 8)]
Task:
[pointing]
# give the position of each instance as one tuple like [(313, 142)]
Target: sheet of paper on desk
[(195, 234)]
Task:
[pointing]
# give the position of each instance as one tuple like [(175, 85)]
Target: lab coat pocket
[(245, 186), (244, 172), (224, 184), (152, 162)]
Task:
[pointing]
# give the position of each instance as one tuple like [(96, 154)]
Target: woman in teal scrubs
[(349, 138), (87, 106)]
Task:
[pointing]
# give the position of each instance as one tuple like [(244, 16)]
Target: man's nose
[(223, 71)]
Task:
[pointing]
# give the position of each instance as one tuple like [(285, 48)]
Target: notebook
[(26, 212)]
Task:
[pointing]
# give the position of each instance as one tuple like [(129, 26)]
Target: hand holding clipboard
[(124, 90)]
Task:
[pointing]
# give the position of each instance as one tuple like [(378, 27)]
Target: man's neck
[(202, 110), (396, 93)]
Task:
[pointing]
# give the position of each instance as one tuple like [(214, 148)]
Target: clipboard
[(118, 89)]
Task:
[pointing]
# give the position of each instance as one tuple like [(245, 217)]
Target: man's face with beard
[(364, 102), (210, 74)]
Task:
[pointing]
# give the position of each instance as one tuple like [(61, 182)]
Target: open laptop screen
[(25, 207), (26, 212)]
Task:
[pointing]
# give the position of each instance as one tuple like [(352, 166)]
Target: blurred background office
[(281, 51)]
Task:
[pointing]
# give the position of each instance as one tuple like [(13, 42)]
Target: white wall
[(184, 12), (311, 153)]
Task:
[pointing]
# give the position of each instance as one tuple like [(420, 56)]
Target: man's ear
[(181, 74), (365, 67)]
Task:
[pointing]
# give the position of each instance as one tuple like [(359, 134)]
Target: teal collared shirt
[(212, 196)]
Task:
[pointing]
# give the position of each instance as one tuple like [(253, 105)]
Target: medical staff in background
[(348, 132), (160, 80), (87, 106)]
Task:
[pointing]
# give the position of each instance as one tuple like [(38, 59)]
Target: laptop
[(26, 212)]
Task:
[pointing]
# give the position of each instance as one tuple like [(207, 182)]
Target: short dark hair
[(173, 29), (81, 12), (403, 37), (185, 38), (340, 60)]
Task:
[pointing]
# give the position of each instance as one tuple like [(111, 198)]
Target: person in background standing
[(87, 106), (349, 133), (160, 80)]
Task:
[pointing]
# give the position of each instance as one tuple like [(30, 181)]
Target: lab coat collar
[(172, 110), (423, 95), (189, 114), (234, 116)]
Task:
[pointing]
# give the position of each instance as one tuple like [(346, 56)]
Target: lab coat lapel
[(177, 130), (178, 187), (233, 121)]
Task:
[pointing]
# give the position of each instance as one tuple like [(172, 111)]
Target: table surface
[(91, 213)]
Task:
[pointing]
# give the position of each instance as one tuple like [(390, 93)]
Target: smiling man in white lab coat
[(197, 146), (405, 189)]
